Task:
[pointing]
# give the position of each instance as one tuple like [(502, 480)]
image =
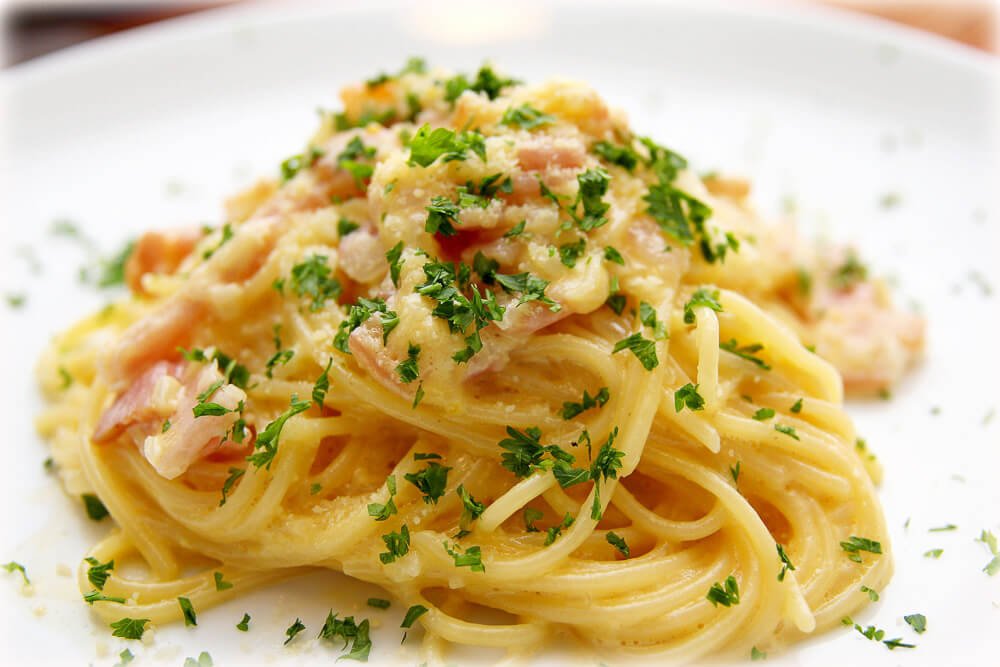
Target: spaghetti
[(483, 346)]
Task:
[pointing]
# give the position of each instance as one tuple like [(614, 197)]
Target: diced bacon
[(543, 152), (366, 345), (169, 391), (153, 338), (869, 341), (191, 438), (134, 404), (159, 252)]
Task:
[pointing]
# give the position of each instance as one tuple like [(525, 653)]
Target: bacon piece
[(169, 391), (134, 405), (543, 152), (869, 341), (159, 252)]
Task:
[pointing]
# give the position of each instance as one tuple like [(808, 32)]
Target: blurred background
[(32, 28)]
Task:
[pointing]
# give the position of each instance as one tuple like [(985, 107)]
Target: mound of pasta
[(485, 347)]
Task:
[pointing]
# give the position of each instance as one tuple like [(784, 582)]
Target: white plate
[(155, 127)]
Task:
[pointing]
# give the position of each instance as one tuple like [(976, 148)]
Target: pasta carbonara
[(483, 346)]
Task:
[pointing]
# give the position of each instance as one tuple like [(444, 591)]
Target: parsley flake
[(688, 396), (190, 618), (643, 349), (526, 117), (726, 594), (618, 543), (571, 410), (129, 628)]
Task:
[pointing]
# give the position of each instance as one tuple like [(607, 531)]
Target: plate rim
[(832, 20)]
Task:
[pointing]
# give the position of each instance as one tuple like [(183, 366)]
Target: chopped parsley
[(227, 486), (531, 515), (735, 472), (112, 269), (643, 349), (875, 634), (688, 396), (612, 255), (850, 273), (942, 529), (312, 278), (516, 230), (349, 160), (605, 466), (525, 451), (726, 594), (204, 660), (487, 81), (526, 117), (787, 430), (989, 539), (16, 300), (414, 65), (412, 614), (471, 508), (354, 634), (358, 315), (124, 658), (428, 145), (280, 356), (379, 603), (855, 545), (381, 511), (786, 562), (623, 156), (442, 216), (227, 235), (244, 624), (17, 567), (570, 253), (98, 572), (933, 553), (618, 543), (648, 317), (472, 558), (701, 298), (296, 163), (345, 227), (190, 618), (593, 185), (322, 385), (872, 593), (531, 288), (553, 532), (220, 583), (408, 370), (129, 628), (756, 654), (763, 414), (397, 545), (393, 256), (797, 406), (917, 621), (266, 446), (96, 596), (294, 629), (95, 508), (67, 379), (431, 481), (571, 410)]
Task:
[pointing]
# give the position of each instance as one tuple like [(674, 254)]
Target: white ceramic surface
[(829, 112)]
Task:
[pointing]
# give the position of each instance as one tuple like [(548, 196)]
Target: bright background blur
[(35, 27)]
